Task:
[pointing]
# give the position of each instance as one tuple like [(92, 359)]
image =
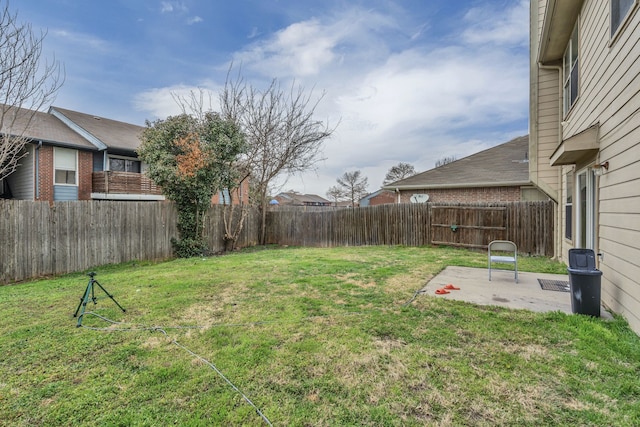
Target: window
[(570, 72), (65, 166), (568, 206), (124, 165), (619, 10)]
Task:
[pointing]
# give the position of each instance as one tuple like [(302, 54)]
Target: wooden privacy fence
[(405, 224), (528, 224), (37, 239)]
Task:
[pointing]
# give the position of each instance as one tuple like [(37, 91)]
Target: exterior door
[(586, 209)]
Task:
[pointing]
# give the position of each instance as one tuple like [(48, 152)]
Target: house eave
[(461, 185), (559, 20)]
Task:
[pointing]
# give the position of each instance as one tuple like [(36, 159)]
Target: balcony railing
[(111, 182)]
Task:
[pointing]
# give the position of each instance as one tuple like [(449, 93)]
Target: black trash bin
[(584, 281)]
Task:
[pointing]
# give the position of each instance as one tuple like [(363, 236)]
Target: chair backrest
[(503, 245)]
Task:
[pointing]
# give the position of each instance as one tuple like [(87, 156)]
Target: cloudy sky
[(405, 80)]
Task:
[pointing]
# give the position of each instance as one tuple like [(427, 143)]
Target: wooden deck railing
[(111, 182)]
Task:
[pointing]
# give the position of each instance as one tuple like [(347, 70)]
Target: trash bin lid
[(581, 272), (582, 259)]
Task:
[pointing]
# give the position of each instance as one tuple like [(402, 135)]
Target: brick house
[(380, 197), (498, 174), (78, 156)]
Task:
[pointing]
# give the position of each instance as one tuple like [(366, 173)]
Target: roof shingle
[(504, 164)]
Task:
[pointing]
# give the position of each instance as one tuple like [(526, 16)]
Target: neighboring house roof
[(44, 127), (102, 132), (296, 198), (503, 165)]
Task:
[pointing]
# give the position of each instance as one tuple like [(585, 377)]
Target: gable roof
[(303, 198), (101, 132), (43, 127), (503, 165)]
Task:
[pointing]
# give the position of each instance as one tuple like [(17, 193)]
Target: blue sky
[(407, 80)]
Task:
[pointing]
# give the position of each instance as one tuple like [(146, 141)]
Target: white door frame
[(585, 208)]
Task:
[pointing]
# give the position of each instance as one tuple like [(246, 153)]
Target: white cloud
[(194, 20), (508, 28), (163, 102), (172, 6), (305, 48), (76, 40), (399, 94)]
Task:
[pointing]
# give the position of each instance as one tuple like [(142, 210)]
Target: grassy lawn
[(317, 337)]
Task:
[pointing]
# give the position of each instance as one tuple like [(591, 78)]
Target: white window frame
[(619, 17), (571, 70), (57, 151)]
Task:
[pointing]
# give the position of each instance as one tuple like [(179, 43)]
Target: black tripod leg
[(83, 302), (93, 292), (109, 295)]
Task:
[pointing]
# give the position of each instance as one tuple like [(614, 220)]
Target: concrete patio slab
[(502, 290)]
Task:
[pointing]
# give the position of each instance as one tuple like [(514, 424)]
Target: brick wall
[(383, 198), (467, 195), (45, 174), (241, 193), (85, 171)]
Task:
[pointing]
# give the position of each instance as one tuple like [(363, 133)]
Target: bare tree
[(26, 85), (353, 185), (282, 134), (335, 194), (445, 160), (398, 172)]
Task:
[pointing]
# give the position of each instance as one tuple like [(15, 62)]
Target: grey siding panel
[(21, 182), (63, 193)]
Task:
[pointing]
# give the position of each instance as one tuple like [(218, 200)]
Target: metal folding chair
[(505, 252)]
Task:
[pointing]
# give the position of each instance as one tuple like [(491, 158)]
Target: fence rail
[(38, 239)]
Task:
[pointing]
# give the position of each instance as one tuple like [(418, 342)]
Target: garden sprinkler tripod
[(91, 291)]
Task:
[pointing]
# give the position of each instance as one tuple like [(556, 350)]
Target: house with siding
[(585, 134), (498, 174), (79, 156)]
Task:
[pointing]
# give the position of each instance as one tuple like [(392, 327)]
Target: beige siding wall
[(609, 95), (544, 132), (548, 128), (545, 96)]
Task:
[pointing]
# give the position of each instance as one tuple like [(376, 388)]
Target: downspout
[(398, 193)]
